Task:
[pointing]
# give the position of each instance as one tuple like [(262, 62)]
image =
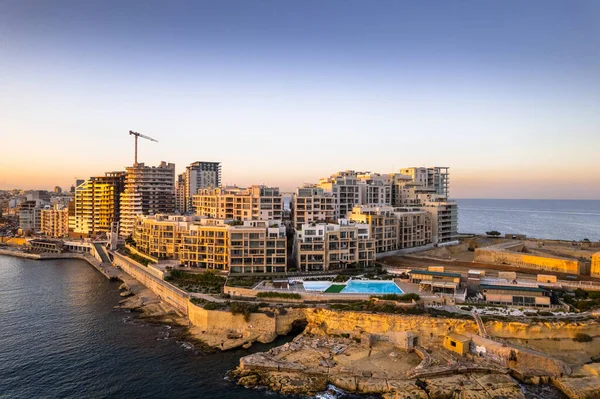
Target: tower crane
[(136, 135)]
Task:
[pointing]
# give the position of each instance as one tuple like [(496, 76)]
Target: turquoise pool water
[(371, 287)]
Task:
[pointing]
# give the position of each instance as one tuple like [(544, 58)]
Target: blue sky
[(506, 93)]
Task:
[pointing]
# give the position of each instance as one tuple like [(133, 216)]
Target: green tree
[(493, 233)]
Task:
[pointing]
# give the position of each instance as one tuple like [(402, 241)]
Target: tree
[(493, 233)]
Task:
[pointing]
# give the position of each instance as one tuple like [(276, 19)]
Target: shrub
[(399, 298), (284, 295), (243, 308), (580, 337), (493, 233)]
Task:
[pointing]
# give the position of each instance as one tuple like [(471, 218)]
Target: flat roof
[(458, 337), (444, 284), (430, 273), (512, 288)]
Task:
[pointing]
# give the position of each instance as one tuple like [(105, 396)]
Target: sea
[(571, 220), (60, 337)]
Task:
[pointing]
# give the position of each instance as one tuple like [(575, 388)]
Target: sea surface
[(61, 338), (550, 219)]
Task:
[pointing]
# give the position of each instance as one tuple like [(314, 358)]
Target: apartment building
[(436, 178), (30, 216), (312, 204), (328, 246), (254, 246), (374, 188), (395, 228), (161, 235), (344, 186), (444, 214), (148, 190), (180, 199), (96, 205), (200, 175), (54, 221), (253, 203)]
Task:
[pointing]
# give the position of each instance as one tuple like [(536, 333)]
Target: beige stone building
[(235, 203), (328, 246), (255, 246), (313, 204), (54, 221), (395, 228), (344, 186), (161, 235)]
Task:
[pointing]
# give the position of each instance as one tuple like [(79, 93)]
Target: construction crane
[(136, 135)]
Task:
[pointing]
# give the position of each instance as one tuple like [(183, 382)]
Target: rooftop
[(430, 273), (512, 288)]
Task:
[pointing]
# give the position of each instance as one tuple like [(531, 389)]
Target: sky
[(506, 93)]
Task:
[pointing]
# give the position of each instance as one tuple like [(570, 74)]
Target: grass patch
[(283, 295), (335, 288), (138, 258)]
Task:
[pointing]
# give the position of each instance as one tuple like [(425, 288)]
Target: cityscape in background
[(345, 220)]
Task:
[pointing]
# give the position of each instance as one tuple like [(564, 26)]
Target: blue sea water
[(549, 219)]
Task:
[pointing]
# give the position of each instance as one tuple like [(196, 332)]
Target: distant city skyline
[(505, 93)]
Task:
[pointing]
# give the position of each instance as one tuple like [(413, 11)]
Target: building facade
[(343, 186), (148, 190), (200, 175), (328, 246), (313, 204), (96, 205), (54, 221), (161, 235), (30, 216), (235, 203)]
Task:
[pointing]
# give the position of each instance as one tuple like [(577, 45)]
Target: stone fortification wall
[(429, 330), (268, 327), (503, 255), (167, 292), (542, 330)]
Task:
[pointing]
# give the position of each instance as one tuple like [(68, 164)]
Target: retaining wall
[(503, 257), (167, 292)]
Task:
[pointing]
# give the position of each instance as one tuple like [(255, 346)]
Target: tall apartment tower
[(96, 204), (148, 190), (180, 199), (200, 175)]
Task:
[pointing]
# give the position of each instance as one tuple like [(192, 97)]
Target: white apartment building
[(148, 190), (253, 203), (30, 216), (328, 246), (180, 200), (312, 204)]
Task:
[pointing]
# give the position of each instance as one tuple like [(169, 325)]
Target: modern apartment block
[(96, 205), (253, 203), (395, 228), (375, 189), (313, 204), (436, 178), (161, 235), (343, 186), (328, 246), (148, 190), (54, 221), (200, 175), (256, 246), (444, 215), (30, 216)]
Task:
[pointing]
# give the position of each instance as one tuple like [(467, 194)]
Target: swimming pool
[(371, 287), (316, 285)]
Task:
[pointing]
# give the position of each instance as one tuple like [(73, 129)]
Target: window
[(452, 343)]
